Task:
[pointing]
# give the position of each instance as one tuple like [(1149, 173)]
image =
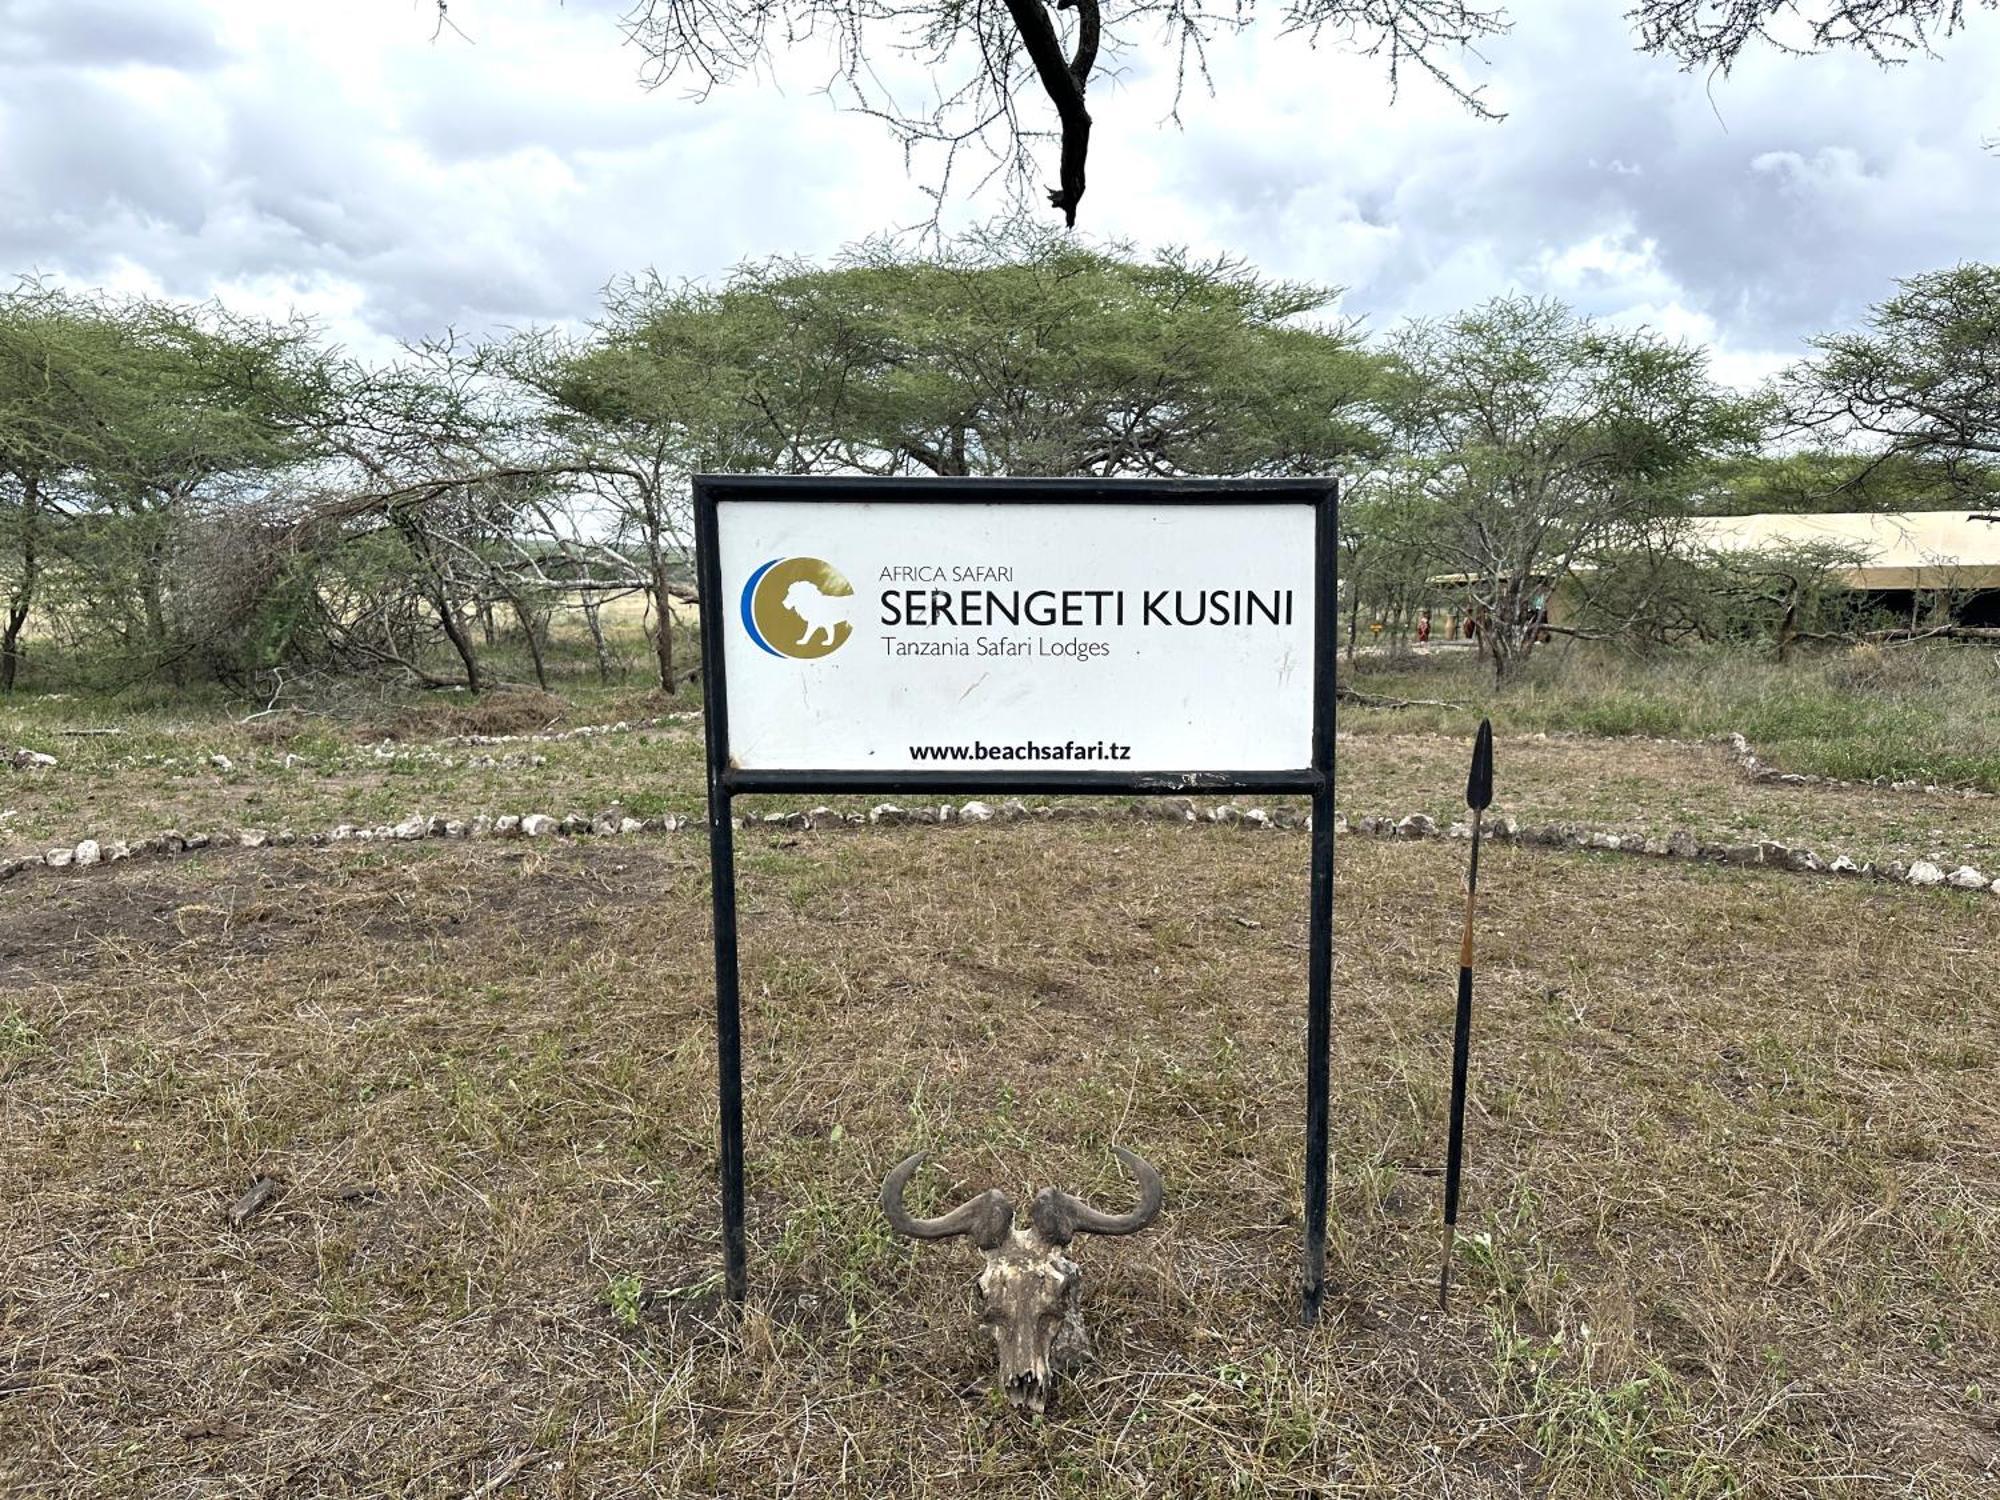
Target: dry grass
[(1654, 787), (1733, 1134)]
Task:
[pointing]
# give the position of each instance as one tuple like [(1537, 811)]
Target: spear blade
[(1479, 783)]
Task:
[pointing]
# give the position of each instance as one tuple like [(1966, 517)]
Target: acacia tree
[(1389, 545), (1018, 354), (61, 400), (125, 425), (1024, 353), (226, 407), (672, 379), (1548, 439), (1921, 382)]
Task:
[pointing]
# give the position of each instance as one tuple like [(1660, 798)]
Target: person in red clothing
[(1423, 627)]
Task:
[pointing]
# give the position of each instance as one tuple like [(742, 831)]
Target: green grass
[(1928, 714)]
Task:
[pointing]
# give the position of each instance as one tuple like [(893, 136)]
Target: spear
[(1478, 797)]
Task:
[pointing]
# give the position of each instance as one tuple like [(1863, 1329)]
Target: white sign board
[(1051, 637)]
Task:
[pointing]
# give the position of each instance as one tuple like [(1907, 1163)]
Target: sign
[(864, 631), (1056, 636)]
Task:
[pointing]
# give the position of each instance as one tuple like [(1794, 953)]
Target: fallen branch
[(1369, 700)]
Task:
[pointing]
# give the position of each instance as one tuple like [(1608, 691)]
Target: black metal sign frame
[(726, 782)]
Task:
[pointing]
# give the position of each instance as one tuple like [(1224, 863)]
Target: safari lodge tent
[(1909, 563)]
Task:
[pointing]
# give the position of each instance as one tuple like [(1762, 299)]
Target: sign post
[(1030, 636)]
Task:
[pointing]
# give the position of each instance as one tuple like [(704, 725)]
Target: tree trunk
[(460, 642), (663, 618), (152, 595), (24, 592), (527, 619), (420, 546), (590, 613)]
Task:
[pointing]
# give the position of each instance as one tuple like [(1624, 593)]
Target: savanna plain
[(1733, 1206)]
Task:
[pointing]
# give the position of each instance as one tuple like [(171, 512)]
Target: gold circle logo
[(799, 607)]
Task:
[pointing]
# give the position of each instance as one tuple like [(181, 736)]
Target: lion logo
[(799, 607)]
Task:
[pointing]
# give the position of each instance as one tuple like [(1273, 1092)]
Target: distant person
[(1424, 628)]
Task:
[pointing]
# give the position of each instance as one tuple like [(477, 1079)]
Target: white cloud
[(333, 157)]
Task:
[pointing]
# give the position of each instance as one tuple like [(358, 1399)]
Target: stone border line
[(613, 823), (1753, 769)]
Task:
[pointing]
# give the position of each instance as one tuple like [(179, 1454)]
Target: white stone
[(538, 825), (222, 762), (341, 834), (89, 852), (1256, 817), (1923, 872), (976, 812), (1417, 826), (1842, 865), (887, 812), (631, 825), (507, 826), (56, 859), (252, 838), (1966, 879), (118, 849)]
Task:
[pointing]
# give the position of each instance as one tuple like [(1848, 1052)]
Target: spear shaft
[(1478, 797)]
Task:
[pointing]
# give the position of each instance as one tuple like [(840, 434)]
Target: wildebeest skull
[(1028, 1289)]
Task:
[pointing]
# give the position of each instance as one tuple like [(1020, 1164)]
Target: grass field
[(1901, 713), (1733, 1210)]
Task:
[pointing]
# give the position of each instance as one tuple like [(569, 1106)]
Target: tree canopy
[(1004, 76), (187, 492), (1543, 439), (1922, 381)]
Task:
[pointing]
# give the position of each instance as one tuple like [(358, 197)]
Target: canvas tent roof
[(1921, 549)]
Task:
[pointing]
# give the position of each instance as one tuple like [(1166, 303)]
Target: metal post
[(1319, 1049), (1319, 923), (722, 896), (728, 1041)]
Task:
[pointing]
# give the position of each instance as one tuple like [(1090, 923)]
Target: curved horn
[(1059, 1216), (986, 1218)]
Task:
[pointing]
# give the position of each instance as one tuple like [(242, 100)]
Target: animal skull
[(1029, 1288)]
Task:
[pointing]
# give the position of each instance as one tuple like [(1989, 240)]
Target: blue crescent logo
[(749, 606)]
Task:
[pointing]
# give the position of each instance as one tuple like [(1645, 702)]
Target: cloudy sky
[(330, 156)]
